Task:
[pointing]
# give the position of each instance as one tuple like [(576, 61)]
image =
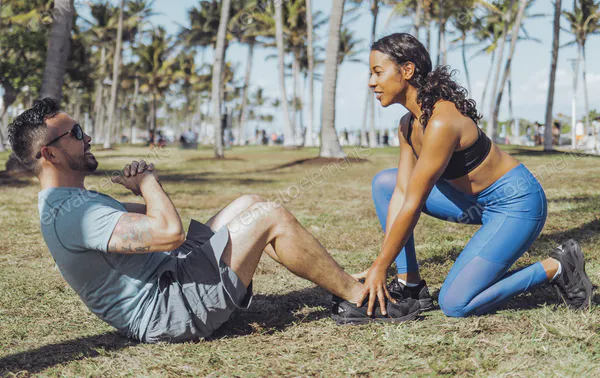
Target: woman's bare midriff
[(495, 165)]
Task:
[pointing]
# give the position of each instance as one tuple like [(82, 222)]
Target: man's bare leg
[(235, 208), (266, 223)]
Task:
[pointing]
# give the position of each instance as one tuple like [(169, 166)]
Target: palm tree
[(139, 13), (59, 48), (506, 20), (308, 138), (374, 8), (155, 69), (330, 144), (464, 21), (583, 22), (288, 131), (217, 82), (246, 30), (513, 44), (552, 81), (101, 30), (115, 79), (187, 75)]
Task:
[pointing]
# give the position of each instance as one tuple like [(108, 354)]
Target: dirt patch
[(315, 162), (216, 159), (17, 179)]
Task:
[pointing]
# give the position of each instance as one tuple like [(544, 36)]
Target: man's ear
[(47, 154)]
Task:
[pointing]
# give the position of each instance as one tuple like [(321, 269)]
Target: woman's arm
[(439, 141), (406, 167)]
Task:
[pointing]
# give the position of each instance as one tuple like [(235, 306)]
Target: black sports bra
[(463, 161)]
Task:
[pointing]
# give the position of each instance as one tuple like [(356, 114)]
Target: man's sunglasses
[(76, 131)]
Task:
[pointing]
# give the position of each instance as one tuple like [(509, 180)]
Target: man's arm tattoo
[(132, 234)]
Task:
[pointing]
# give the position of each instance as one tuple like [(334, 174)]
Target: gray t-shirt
[(120, 289)]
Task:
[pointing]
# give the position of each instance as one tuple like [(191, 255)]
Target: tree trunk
[(428, 35), (245, 93), (443, 53), (59, 49), (487, 81), (511, 114), (217, 80), (585, 91), (441, 58), (295, 74), (417, 18), (288, 131), (153, 114), (115, 80), (133, 109), (491, 126), (513, 45), (308, 139), (552, 81), (96, 125), (574, 100), (464, 58), (330, 144), (372, 134), (363, 130), (8, 98)]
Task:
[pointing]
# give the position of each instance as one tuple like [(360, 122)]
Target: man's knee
[(251, 199), (270, 213)]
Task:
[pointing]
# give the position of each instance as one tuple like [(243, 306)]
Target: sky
[(530, 67)]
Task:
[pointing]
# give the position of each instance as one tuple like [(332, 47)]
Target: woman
[(450, 170)]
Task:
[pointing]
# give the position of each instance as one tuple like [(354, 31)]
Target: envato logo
[(84, 196), (308, 182)]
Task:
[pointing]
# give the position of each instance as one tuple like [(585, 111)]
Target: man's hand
[(135, 175)]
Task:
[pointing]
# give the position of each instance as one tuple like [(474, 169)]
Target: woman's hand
[(375, 287), (361, 275)]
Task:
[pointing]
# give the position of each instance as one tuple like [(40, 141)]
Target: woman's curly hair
[(432, 85)]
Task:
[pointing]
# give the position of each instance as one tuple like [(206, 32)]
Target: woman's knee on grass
[(385, 180), (453, 304)]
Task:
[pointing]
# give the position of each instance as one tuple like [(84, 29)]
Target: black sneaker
[(572, 284), (344, 312), (419, 292)]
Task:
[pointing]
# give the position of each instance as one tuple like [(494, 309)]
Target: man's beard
[(82, 163)]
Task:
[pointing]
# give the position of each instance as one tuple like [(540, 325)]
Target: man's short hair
[(28, 132)]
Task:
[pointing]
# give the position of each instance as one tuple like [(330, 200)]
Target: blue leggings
[(512, 213)]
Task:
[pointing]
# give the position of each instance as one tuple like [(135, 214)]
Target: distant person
[(386, 138), (556, 133), (161, 140), (579, 132), (151, 139), (264, 138), (451, 170), (537, 129), (132, 265)]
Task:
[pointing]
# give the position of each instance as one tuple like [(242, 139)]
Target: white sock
[(407, 284), (558, 271)]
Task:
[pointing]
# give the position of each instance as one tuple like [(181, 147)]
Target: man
[(112, 253)]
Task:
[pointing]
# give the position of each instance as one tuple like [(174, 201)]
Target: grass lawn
[(46, 330)]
